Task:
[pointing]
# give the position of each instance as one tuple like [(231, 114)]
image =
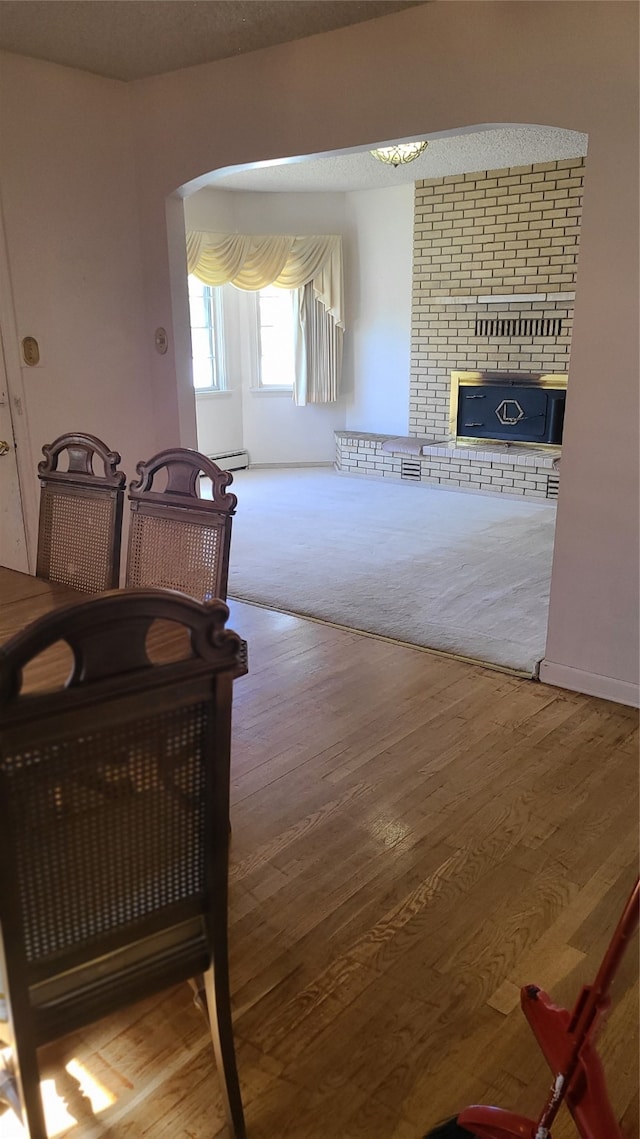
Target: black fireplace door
[(511, 413)]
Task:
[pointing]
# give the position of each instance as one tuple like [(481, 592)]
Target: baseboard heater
[(231, 460)]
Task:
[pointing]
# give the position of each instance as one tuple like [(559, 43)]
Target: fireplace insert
[(508, 407)]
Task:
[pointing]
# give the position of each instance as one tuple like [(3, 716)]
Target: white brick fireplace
[(494, 269)]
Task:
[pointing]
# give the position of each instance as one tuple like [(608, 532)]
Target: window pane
[(198, 318), (197, 303), (276, 337), (271, 340), (269, 310), (273, 373), (206, 334), (200, 342), (203, 374)]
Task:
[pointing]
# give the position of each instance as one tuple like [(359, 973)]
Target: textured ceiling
[(459, 154), (131, 39)]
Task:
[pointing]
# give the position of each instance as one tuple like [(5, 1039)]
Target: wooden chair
[(178, 540), (80, 527), (114, 809)]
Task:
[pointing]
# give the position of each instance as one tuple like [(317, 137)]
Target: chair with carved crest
[(178, 540), (80, 526), (114, 806)]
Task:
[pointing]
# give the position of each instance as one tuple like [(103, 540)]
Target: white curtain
[(318, 351), (313, 266)]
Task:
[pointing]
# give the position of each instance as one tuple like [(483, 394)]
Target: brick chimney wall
[(497, 233)]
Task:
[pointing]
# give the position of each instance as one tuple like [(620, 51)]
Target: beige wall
[(437, 67), (71, 224), (378, 344)]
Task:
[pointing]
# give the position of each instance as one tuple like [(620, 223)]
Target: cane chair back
[(178, 540), (114, 800), (79, 532)]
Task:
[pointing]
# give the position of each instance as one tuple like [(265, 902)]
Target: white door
[(13, 547)]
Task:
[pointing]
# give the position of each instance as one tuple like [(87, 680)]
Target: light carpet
[(467, 574)]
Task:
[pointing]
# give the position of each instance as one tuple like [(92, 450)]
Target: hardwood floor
[(414, 838)]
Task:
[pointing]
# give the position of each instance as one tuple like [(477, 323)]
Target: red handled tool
[(567, 1041)]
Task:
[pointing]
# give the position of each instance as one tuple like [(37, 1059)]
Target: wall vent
[(231, 460), (553, 484), (411, 469), (518, 326)]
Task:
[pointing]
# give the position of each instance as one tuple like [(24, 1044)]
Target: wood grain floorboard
[(414, 838)]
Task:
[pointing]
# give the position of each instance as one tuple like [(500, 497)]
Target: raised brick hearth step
[(496, 468)]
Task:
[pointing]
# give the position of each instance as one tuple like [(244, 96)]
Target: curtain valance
[(252, 263)]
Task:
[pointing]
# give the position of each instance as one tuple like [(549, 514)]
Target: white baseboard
[(265, 466), (607, 687)]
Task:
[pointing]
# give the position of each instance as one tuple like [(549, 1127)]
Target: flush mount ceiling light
[(400, 153)]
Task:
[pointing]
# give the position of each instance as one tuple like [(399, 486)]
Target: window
[(275, 337), (205, 306)]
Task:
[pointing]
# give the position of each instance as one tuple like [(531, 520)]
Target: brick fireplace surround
[(490, 246)]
